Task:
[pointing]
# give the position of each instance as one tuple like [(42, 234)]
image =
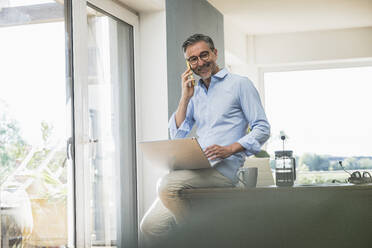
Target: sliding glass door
[(67, 124), (111, 121), (36, 186), (105, 127)]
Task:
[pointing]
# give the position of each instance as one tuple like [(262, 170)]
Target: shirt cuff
[(251, 145), (182, 131)]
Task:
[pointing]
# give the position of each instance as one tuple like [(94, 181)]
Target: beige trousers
[(169, 208)]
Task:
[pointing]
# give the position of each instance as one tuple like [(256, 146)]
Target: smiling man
[(222, 105)]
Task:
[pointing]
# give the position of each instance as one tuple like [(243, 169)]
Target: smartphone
[(192, 76)]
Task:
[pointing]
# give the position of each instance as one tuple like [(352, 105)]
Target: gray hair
[(196, 38)]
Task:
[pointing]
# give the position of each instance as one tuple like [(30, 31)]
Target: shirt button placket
[(209, 106)]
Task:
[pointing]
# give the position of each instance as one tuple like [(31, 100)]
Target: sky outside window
[(322, 111), (33, 77)]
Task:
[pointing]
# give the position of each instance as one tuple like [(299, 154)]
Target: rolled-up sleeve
[(254, 113), (183, 130)]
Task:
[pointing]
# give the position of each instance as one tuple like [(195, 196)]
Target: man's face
[(205, 64)]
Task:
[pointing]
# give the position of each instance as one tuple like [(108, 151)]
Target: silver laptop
[(176, 154)]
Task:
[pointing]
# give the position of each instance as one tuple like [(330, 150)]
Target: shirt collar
[(220, 75)]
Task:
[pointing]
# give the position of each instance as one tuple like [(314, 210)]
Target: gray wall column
[(185, 18)]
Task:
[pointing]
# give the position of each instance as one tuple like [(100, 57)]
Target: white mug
[(249, 176)]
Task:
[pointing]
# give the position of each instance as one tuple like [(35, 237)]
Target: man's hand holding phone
[(187, 84)]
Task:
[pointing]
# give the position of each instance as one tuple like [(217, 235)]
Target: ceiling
[(283, 16), (143, 5)]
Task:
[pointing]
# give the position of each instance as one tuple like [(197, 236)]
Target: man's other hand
[(216, 151)]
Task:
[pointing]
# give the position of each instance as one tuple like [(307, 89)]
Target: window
[(326, 115), (35, 123)]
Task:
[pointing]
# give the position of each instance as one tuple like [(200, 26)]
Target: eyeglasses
[(193, 60)]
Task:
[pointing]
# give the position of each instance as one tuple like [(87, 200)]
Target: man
[(222, 105)]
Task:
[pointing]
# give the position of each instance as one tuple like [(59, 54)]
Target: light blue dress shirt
[(222, 115)]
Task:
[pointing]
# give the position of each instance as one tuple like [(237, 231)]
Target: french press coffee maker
[(285, 167)]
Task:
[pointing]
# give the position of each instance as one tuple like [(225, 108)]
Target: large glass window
[(326, 115), (35, 125)]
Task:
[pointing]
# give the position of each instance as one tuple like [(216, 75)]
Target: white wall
[(235, 44), (313, 46), (239, 52), (153, 100)]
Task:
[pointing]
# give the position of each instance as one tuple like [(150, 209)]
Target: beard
[(205, 71)]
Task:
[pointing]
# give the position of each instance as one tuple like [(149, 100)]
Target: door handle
[(69, 148)]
